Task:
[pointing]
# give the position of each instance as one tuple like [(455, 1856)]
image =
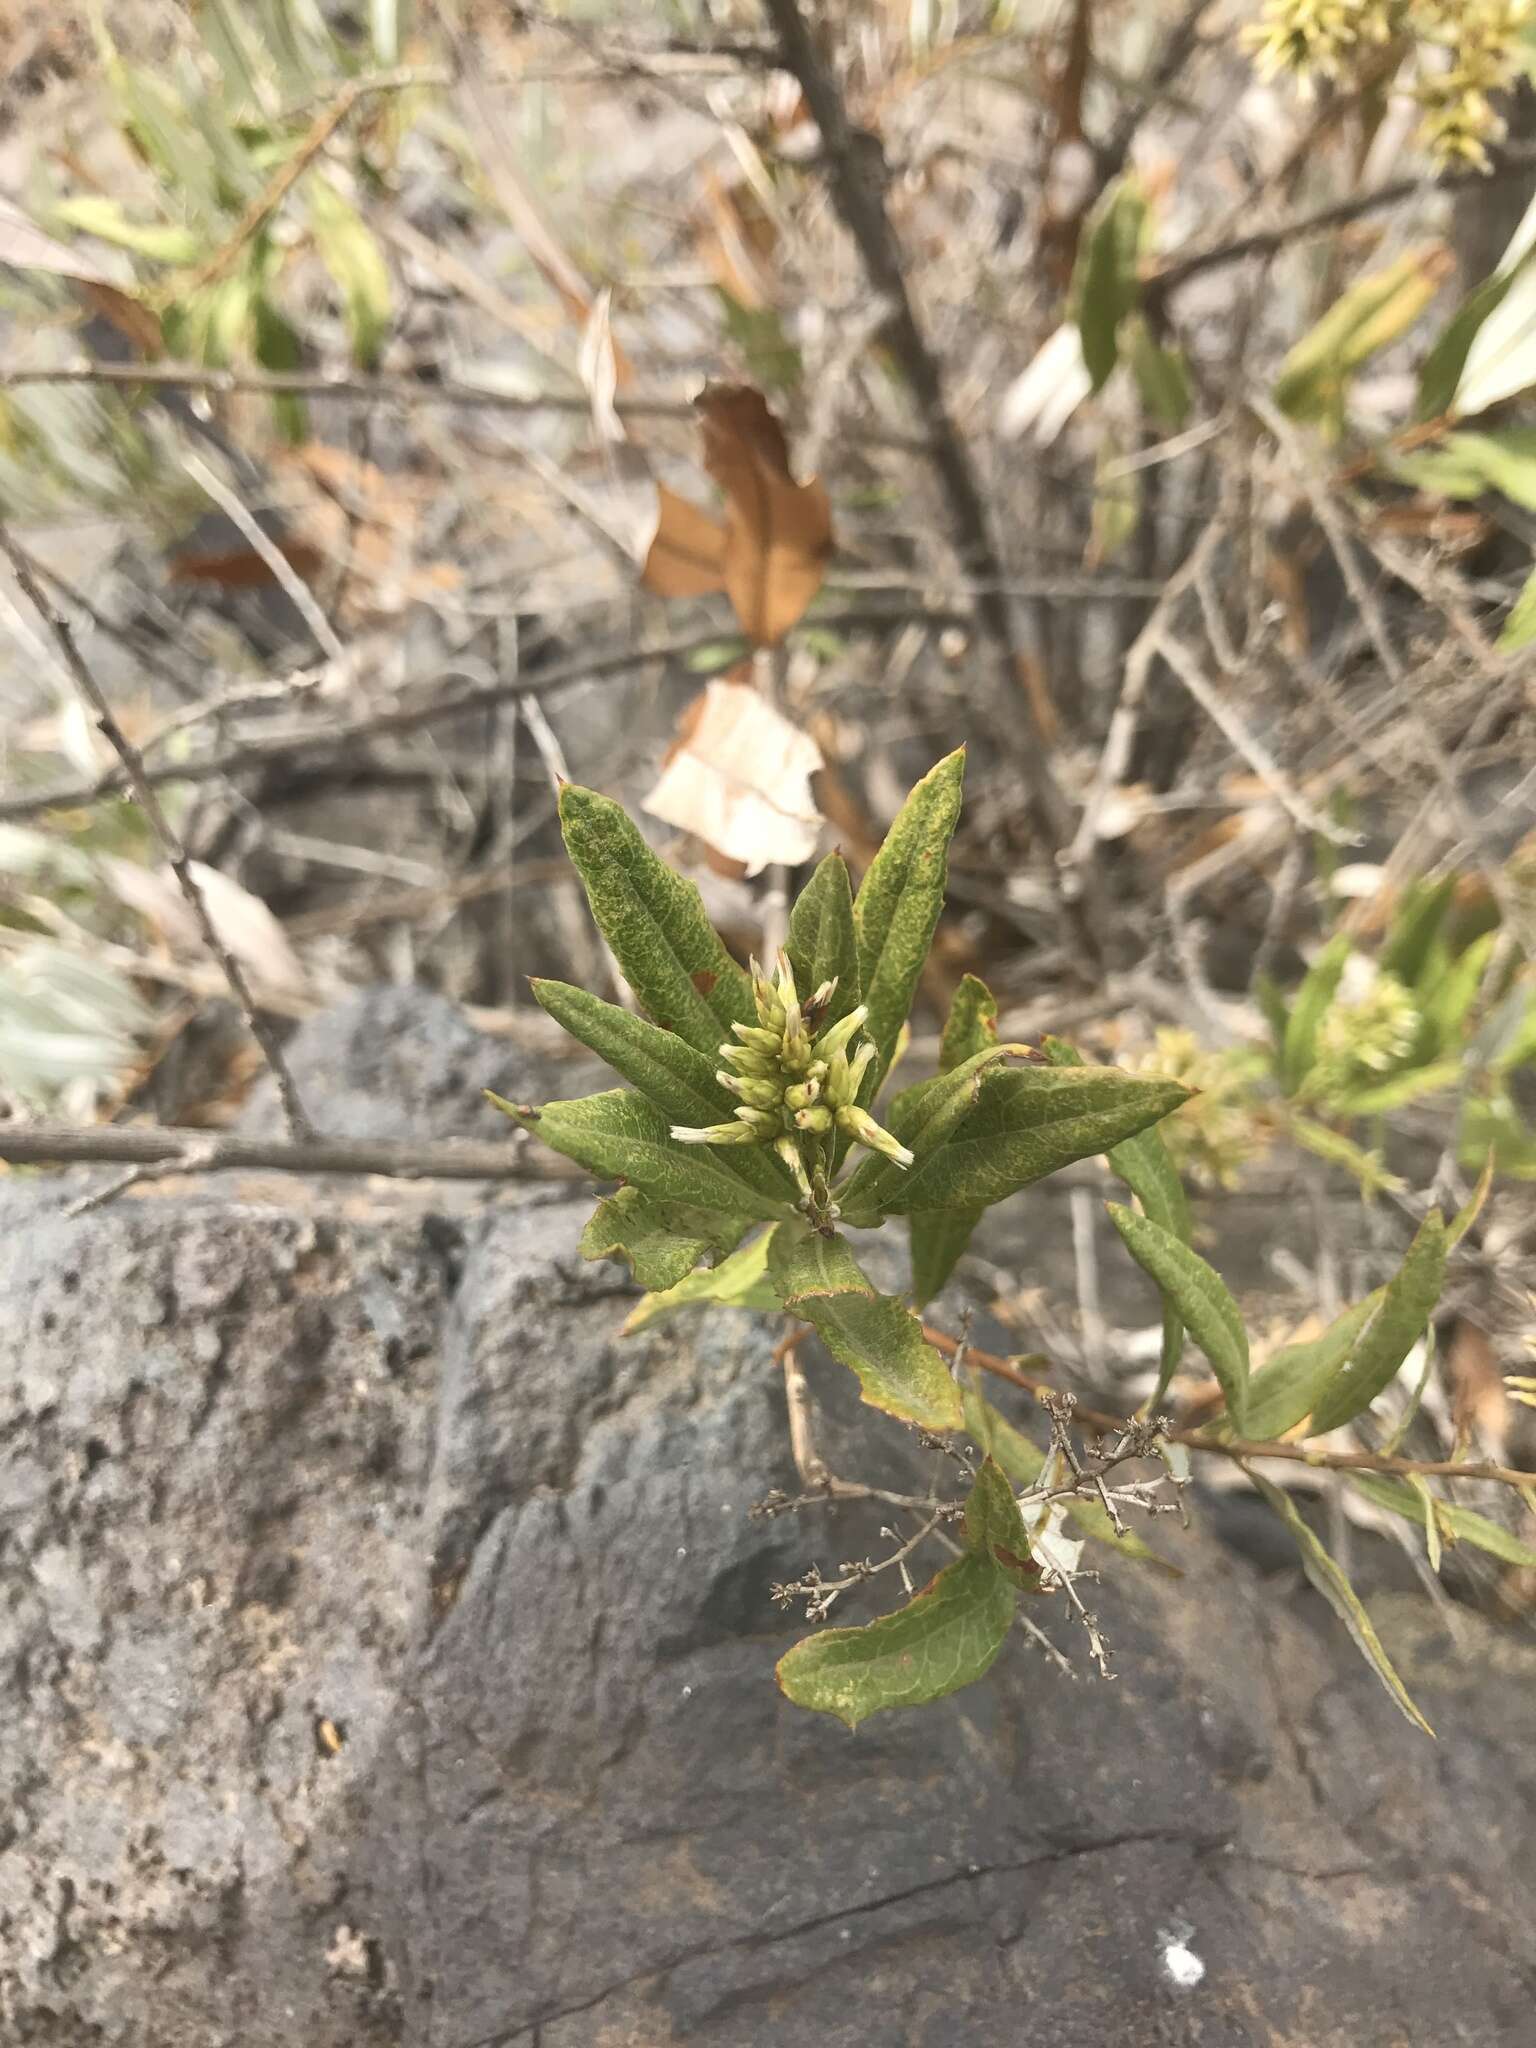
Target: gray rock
[(386, 1656)]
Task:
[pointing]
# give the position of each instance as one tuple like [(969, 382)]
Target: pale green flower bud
[(816, 1119), (770, 1009), (803, 1096), (861, 1126), (756, 1039), (789, 1152), (795, 1054), (760, 1120), (837, 1035), (761, 1094), (858, 1066), (816, 1006), (717, 1134), (838, 1089)]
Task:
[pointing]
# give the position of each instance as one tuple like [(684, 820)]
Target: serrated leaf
[(1024, 1461), (620, 1136), (1463, 1523), (1335, 1588), (995, 1528), (350, 252), (898, 904), (660, 1241), (946, 1638), (1282, 1393), (1313, 998), (741, 1281), (1399, 1322), (1030, 1121), (1143, 1163), (668, 1071), (669, 952), (823, 944), (1201, 1297), (819, 1280)]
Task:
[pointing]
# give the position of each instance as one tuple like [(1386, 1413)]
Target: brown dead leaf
[(243, 568), (778, 533), (736, 242), (738, 777), (25, 246), (686, 557)]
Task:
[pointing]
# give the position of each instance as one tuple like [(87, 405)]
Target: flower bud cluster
[(796, 1084)]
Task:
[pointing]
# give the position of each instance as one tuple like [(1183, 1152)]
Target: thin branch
[(191, 1151), (282, 570), (854, 180), (1238, 1448), (137, 781), (431, 710)]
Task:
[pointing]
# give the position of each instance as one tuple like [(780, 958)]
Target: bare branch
[(191, 1151)]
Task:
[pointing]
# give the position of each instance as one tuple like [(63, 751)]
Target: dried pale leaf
[(598, 367), (1042, 398), (686, 554), (740, 779), (778, 531), (243, 922)]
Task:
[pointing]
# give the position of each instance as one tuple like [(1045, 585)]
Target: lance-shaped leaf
[(1285, 1390), (1341, 1596), (946, 1638), (899, 900), (1314, 996), (1463, 1525), (669, 1072), (741, 1281), (1107, 284), (822, 943), (1371, 315), (923, 1117), (661, 1241), (819, 1280), (1030, 1121), (1024, 1461), (939, 1236), (669, 952), (995, 1528), (1142, 1162), (1200, 1295), (1399, 1322), (620, 1136)]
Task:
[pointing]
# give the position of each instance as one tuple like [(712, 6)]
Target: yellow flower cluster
[(1466, 52), (796, 1087)]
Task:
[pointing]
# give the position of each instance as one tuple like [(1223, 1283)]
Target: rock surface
[(386, 1656)]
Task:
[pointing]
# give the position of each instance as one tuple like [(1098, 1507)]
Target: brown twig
[(137, 781), (854, 181), (42, 1144), (1238, 1448)]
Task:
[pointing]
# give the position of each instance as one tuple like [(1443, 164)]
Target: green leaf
[(1465, 465), (620, 1136), (1107, 285), (1200, 1295), (819, 1280), (95, 214), (939, 1237), (1143, 1163), (1463, 1523), (1024, 1461), (1520, 627), (741, 1281), (1284, 1391), (823, 945), (1368, 1168), (1335, 1588), (668, 951), (898, 904), (1373, 313), (1392, 1333), (661, 1241), (1501, 359), (995, 1528), (923, 1117), (1162, 375), (946, 1638), (668, 1072), (351, 253), (1276, 1013), (1449, 1003), (276, 346), (1313, 998), (971, 1026), (1415, 927), (1398, 1090), (1030, 1121), (1441, 370)]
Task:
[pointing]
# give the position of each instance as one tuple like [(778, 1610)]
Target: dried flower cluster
[(796, 1087), (1463, 52)]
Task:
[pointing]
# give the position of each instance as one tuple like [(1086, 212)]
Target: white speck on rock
[(1183, 1967)]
